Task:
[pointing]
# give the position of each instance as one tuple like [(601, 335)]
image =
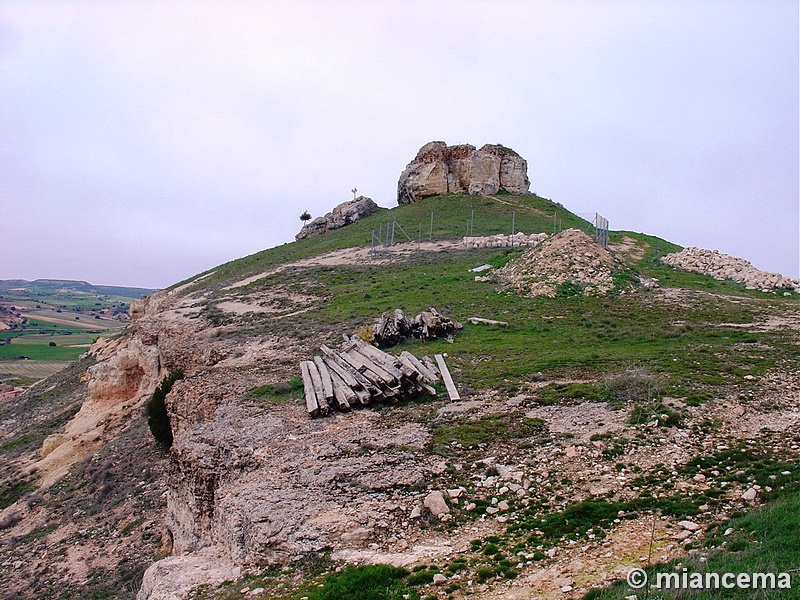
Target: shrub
[(368, 582), (633, 385), (366, 333), (156, 409)]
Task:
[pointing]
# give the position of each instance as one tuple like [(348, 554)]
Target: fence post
[(430, 237), (513, 225)]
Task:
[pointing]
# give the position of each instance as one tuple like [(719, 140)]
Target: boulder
[(343, 214), (435, 503), (440, 169)]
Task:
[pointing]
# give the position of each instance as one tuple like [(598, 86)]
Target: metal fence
[(389, 233)]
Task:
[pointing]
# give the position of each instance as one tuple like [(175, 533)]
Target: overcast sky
[(144, 142)]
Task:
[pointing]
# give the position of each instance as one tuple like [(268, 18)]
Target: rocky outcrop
[(442, 169), (724, 266), (345, 213)]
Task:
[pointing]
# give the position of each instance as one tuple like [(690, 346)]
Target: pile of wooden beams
[(395, 327), (359, 374)]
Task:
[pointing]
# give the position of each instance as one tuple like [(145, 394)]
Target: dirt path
[(363, 255)]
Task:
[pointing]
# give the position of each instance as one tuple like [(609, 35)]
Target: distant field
[(29, 369), (82, 321), (49, 329)]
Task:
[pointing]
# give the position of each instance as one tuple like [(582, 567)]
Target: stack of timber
[(359, 374), (395, 327)]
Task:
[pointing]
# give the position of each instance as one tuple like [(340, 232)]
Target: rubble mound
[(570, 263), (343, 214), (724, 266)]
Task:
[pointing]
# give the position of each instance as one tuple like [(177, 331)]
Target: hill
[(588, 426)]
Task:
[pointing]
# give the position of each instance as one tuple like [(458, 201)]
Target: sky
[(144, 142)]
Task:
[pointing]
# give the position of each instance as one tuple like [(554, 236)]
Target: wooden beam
[(308, 387), (319, 390), (431, 366), (364, 363), (327, 383), (342, 393), (342, 371), (448, 380), (478, 320), (380, 358), (426, 373)]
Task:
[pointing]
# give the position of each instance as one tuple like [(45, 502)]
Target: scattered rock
[(501, 240), (689, 525), (439, 579), (435, 503), (750, 494)]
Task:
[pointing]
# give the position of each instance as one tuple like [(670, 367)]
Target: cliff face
[(442, 169)]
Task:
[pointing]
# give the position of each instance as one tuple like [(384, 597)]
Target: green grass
[(764, 541), (498, 427), (273, 393), (39, 350)]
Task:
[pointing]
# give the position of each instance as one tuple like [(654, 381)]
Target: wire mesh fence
[(472, 224)]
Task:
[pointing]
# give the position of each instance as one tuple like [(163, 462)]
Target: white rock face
[(440, 169), (724, 266), (484, 175)]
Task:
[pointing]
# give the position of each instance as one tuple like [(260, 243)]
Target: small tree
[(156, 409), (306, 216)]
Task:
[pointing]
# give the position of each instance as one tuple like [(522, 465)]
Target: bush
[(368, 582), (634, 385), (156, 409)]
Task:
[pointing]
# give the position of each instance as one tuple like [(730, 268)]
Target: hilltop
[(674, 394)]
